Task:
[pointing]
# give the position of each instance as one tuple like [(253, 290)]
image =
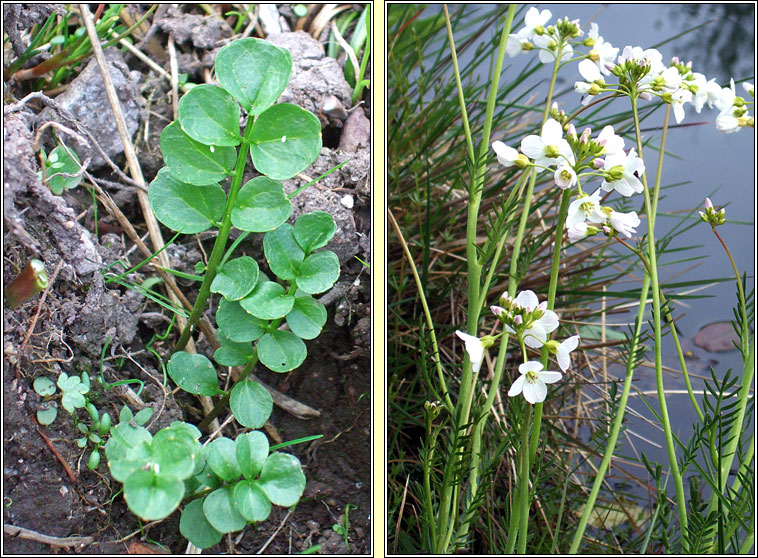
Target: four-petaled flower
[(549, 147), (621, 173), (532, 382)]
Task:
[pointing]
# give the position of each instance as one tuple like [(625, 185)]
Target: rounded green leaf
[(285, 140), (282, 251), (268, 301), (251, 404), (261, 205), (195, 527), (210, 115), (174, 453), (193, 373), (254, 71), (314, 230), (191, 161), (307, 317), (59, 161), (231, 353), (252, 450), (44, 386), (47, 415), (237, 324), (281, 351), (73, 400), (221, 513), (152, 496), (251, 501), (183, 207), (222, 459), (318, 272), (236, 278), (282, 479)]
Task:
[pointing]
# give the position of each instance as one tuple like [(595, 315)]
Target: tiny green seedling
[(58, 165), (74, 391)]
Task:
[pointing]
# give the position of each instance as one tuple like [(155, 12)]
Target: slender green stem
[(466, 392), (220, 245), (524, 478), (666, 423), (224, 401), (429, 322), (617, 421)]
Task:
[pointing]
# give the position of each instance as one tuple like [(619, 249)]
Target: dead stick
[(71, 475), (14, 531)]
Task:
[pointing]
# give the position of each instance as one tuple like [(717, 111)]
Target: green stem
[(524, 478), (666, 423), (617, 422), (220, 245), (224, 401)]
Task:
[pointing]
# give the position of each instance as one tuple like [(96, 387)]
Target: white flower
[(537, 330), (621, 168), (612, 143), (726, 122), (534, 19), (549, 49), (565, 177), (563, 351), (474, 348), (584, 208), (593, 78), (532, 382), (518, 43), (578, 232), (625, 223), (506, 156), (678, 99), (549, 147), (603, 52)]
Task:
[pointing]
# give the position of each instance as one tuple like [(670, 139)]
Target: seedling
[(32, 280), (343, 527), (74, 390), (231, 483), (62, 162)]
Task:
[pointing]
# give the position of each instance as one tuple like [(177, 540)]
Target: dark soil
[(81, 314)]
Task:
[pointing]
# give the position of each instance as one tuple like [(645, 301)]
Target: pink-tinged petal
[(527, 299), (497, 310), (532, 146), (535, 393), (549, 376), (517, 386)]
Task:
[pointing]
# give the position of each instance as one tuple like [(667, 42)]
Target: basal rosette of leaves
[(230, 483)]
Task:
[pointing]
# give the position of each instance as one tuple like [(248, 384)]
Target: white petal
[(590, 72), (530, 366), (532, 146), (527, 299), (548, 321), (535, 336), (517, 386), (564, 358), (571, 343), (506, 156), (552, 132), (536, 392), (549, 376)]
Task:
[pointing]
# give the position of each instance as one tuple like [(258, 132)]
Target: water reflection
[(725, 43)]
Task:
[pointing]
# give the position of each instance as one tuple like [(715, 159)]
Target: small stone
[(716, 337), (69, 225), (347, 201), (333, 107)]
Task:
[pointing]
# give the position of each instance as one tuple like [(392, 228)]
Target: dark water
[(711, 163)]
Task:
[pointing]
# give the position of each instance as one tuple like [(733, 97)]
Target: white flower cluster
[(532, 323), (603, 156)]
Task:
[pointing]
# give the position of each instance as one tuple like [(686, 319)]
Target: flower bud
[(518, 320), (32, 280), (598, 163), (708, 203)]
